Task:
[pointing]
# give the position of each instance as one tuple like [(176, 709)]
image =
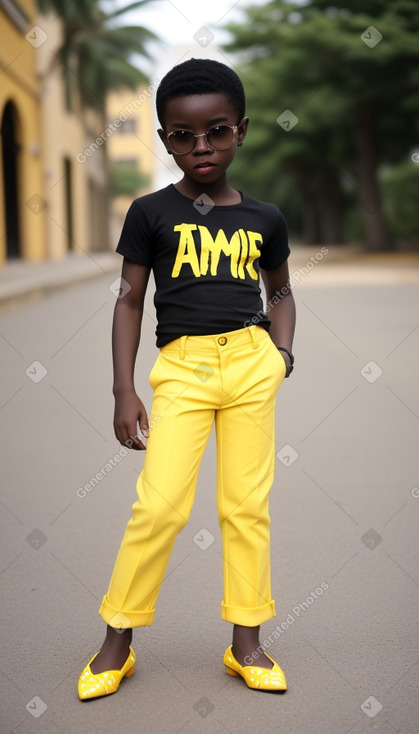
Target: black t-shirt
[(205, 259)]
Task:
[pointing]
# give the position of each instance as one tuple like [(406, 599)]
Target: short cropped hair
[(200, 76)]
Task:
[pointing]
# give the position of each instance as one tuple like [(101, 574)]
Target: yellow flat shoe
[(262, 679), (93, 685)]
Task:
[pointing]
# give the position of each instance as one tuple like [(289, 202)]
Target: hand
[(128, 410), (289, 362)]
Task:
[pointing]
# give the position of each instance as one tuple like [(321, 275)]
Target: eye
[(181, 134), (219, 130)]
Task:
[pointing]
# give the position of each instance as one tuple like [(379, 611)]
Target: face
[(198, 113)]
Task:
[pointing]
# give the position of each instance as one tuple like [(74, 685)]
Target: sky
[(176, 21)]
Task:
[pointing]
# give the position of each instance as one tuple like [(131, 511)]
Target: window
[(128, 127)]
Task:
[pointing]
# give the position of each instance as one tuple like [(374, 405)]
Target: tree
[(126, 179), (96, 54), (353, 92)]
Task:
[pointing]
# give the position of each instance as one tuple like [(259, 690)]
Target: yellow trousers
[(232, 378)]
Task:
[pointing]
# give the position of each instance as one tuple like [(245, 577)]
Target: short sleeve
[(135, 242), (276, 248)]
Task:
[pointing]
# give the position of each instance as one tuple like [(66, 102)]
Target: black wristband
[(289, 367)]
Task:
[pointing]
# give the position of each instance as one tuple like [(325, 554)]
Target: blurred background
[(334, 142), (331, 95)]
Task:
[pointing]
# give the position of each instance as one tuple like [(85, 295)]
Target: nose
[(201, 145)]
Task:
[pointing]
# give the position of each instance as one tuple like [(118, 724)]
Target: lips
[(204, 164)]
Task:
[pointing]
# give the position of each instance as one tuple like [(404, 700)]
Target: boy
[(205, 242)]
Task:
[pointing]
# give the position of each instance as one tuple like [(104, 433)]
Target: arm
[(126, 331), (282, 313)]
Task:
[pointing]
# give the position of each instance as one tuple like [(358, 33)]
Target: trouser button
[(222, 340)]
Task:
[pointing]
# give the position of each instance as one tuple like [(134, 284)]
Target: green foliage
[(357, 105), (126, 179), (96, 54), (401, 187)]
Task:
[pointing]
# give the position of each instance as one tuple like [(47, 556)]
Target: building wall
[(20, 85), (131, 115), (76, 186), (62, 194)]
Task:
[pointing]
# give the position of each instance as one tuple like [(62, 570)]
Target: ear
[(243, 125), (162, 136)]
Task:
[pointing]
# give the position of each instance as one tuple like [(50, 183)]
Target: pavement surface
[(344, 512)]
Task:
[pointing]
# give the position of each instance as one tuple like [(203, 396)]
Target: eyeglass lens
[(219, 137)]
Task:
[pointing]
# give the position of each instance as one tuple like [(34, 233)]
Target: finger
[(126, 438), (143, 423), (144, 429), (133, 440)]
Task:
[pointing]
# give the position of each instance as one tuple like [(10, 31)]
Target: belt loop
[(253, 335), (182, 347)]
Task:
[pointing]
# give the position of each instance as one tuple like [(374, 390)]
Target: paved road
[(344, 508)]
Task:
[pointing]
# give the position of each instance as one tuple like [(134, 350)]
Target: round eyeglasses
[(219, 137)]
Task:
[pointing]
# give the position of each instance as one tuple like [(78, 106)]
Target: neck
[(219, 191)]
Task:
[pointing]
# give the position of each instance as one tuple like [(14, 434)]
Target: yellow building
[(131, 115), (54, 197), (22, 193), (76, 184)]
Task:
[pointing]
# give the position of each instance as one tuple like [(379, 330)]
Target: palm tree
[(95, 54)]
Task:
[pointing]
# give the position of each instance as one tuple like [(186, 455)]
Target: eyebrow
[(219, 118)]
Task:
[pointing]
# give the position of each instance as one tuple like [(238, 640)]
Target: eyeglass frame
[(234, 128)]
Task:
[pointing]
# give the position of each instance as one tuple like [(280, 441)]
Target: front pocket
[(281, 356), (278, 354)]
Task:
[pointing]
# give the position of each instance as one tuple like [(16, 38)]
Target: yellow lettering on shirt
[(211, 248), (254, 252), (186, 253), (241, 249), (243, 254)]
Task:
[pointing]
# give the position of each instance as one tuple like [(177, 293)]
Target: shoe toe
[(266, 679), (273, 680), (92, 686)]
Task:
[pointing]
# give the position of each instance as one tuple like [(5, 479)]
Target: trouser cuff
[(123, 619), (250, 617)]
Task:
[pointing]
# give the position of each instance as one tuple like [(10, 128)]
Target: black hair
[(200, 76)]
